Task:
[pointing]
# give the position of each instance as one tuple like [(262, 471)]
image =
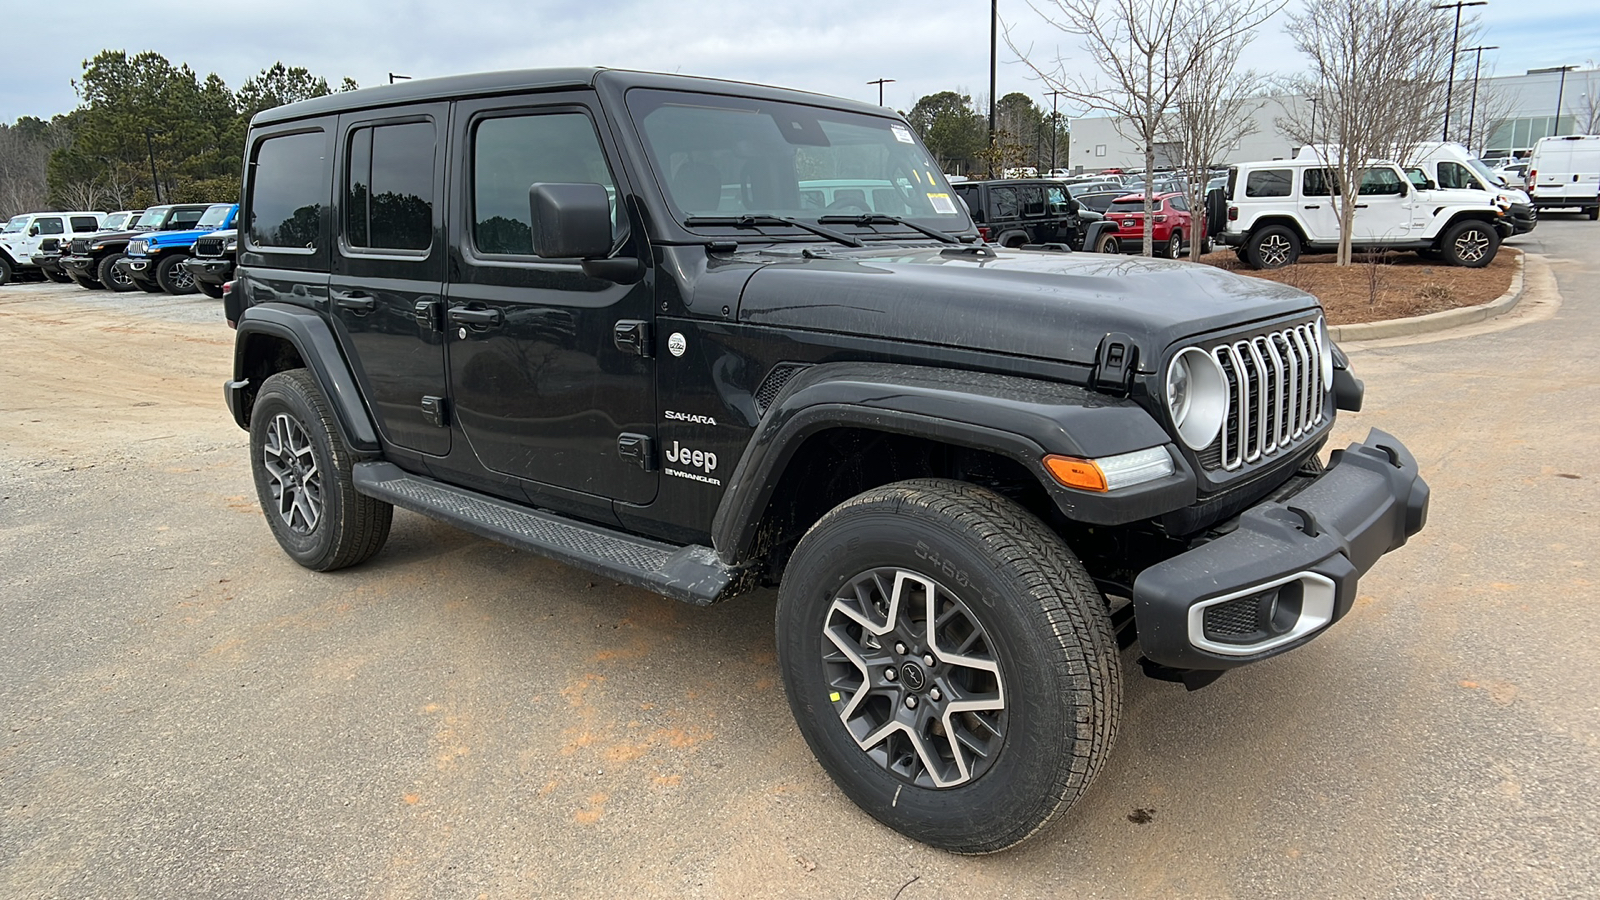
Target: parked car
[(974, 474), (1019, 212), (1564, 173), (22, 235), (1513, 174), (1099, 200), (91, 261), (1171, 224), (212, 261), (155, 262), (1448, 166), (1278, 209)]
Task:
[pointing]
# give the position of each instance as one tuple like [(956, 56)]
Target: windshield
[(736, 156), (114, 222), (1484, 172), (15, 224), (215, 216), (152, 217)]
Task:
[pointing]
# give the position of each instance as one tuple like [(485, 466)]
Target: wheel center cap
[(913, 677)]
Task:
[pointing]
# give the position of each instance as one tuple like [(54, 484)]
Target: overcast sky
[(828, 46)]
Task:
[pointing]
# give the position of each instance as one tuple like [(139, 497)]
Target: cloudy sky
[(829, 46)]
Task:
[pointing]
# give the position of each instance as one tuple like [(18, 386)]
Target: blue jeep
[(154, 262)]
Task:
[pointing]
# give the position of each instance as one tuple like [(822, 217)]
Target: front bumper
[(142, 269), (210, 270), (50, 262), (1523, 218), (83, 265), (1290, 567)]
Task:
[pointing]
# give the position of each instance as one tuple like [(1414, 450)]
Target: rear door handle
[(1314, 206), (359, 301), (463, 315), (1361, 206)]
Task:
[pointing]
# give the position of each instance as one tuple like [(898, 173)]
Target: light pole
[(994, 37), (1054, 127), (1455, 42), (880, 83), (393, 78), (1472, 111), (1555, 125)]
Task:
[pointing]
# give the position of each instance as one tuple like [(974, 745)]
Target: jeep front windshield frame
[(14, 225), (723, 156), (214, 216), (152, 218)]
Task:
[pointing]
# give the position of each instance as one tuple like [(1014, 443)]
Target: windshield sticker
[(942, 204), (902, 135)]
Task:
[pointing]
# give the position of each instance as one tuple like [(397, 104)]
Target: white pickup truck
[(1282, 208)]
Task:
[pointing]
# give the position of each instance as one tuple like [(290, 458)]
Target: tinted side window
[(1318, 183), (510, 154), (51, 225), (1380, 182), (1455, 175), (389, 187), (1180, 204), (288, 189), (1032, 201), (84, 224), (1005, 202), (1057, 198), (969, 193), (1268, 183)]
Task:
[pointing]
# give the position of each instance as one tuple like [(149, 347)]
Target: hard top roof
[(534, 80)]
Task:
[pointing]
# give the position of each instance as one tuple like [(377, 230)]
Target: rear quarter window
[(1268, 183), (289, 188)]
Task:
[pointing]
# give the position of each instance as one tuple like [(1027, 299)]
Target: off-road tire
[(1594, 213), (214, 291), (6, 271), (109, 277), (1472, 244), (1174, 248), (88, 284), (1272, 247), (1108, 243), (172, 277), (1044, 627), (349, 527), (57, 277)]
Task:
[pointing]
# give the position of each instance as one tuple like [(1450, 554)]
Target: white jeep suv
[(1282, 208)]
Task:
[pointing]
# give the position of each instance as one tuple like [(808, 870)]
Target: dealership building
[(1511, 113)]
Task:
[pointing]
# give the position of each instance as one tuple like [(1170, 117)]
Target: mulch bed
[(1394, 286)]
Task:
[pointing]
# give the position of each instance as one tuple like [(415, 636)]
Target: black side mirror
[(33, 231), (570, 221)]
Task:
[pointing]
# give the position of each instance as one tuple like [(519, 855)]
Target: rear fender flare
[(314, 341)]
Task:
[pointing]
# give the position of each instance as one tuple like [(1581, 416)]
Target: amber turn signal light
[(1076, 473)]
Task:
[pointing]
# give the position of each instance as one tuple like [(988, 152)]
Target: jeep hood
[(1024, 303)]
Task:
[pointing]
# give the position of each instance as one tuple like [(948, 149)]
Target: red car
[(1173, 226)]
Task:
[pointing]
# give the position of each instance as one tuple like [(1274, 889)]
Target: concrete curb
[(1439, 321)]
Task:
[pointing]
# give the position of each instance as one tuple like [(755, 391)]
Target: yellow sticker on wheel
[(834, 696)]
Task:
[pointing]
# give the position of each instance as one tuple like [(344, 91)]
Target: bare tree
[(1379, 70), (1587, 107), (1145, 52), (1208, 115)]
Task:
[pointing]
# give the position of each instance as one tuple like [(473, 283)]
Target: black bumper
[(142, 269), (209, 270), (83, 265), (1523, 217), (1231, 238), (1290, 567)]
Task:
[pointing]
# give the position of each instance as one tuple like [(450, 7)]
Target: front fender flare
[(314, 341), (1021, 418)]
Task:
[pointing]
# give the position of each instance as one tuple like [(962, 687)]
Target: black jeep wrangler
[(600, 315), (1019, 212)]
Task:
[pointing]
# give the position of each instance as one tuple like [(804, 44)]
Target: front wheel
[(302, 475), (1471, 243), (113, 277), (57, 277), (173, 277), (949, 662), (214, 291), (6, 271)]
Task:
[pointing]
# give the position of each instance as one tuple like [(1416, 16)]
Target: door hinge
[(638, 448), (1115, 362), (632, 336), (428, 314), (437, 411)]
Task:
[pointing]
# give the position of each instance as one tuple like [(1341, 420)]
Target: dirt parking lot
[(190, 714)]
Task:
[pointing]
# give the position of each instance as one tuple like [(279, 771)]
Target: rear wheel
[(949, 662), (1594, 213), (1175, 245), (173, 277), (302, 475), (1108, 243), (1273, 247), (1471, 243), (115, 278)]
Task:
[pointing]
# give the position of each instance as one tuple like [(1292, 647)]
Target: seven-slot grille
[(80, 246), (1275, 394), (208, 246)]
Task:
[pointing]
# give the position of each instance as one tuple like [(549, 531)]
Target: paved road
[(189, 714)]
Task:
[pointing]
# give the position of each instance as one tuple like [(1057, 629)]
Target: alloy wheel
[(914, 678), (1472, 245), (1275, 250), (292, 473)]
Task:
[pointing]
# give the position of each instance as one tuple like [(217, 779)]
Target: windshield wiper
[(885, 219), (756, 221)]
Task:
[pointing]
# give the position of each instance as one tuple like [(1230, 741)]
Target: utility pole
[(393, 78), (1455, 43), (155, 183), (1054, 127), (1555, 124), (1472, 111), (880, 83), (994, 37)]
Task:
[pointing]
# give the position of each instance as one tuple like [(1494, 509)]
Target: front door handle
[(358, 301), (464, 315), (1314, 206)]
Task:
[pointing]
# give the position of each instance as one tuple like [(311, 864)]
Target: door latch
[(436, 410), (427, 315), (632, 336), (638, 448)]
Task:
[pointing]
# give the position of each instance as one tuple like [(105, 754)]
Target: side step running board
[(691, 573)]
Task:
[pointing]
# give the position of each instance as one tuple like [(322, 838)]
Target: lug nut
[(899, 647), (927, 659), (935, 694), (911, 703), (889, 673)]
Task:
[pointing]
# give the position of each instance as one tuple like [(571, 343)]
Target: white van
[(21, 236), (1564, 172), (1451, 167)]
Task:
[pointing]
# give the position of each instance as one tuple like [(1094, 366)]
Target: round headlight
[(1325, 353), (1197, 397), (230, 245)]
